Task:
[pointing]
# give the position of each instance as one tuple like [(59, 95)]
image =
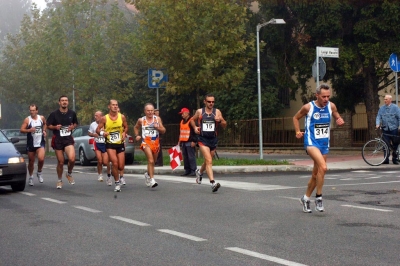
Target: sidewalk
[(335, 162)]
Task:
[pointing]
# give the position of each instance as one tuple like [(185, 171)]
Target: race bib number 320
[(321, 131)]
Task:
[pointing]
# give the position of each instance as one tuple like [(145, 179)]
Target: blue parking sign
[(157, 78)]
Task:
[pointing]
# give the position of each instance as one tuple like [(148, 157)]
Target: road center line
[(129, 221), (54, 200), (367, 208), (28, 194), (87, 209), (175, 233), (264, 257)]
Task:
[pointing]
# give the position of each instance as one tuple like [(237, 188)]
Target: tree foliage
[(202, 44), (80, 46), (366, 33)]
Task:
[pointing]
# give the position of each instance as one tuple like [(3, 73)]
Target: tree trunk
[(372, 98)]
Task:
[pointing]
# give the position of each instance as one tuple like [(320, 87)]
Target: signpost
[(395, 66), (331, 52), (321, 69), (157, 79)]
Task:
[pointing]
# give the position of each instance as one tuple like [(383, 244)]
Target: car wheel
[(18, 186), (82, 158), (128, 158)]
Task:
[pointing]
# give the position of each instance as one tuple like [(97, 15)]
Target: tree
[(80, 45), (202, 44), (366, 33), (11, 14)]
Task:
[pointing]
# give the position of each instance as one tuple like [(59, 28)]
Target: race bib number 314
[(321, 131)]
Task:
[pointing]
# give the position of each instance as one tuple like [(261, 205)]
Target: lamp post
[(259, 26)]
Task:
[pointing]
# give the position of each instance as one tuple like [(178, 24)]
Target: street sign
[(332, 52), (321, 69), (394, 63), (157, 78)]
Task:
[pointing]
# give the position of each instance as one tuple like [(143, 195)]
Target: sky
[(40, 3)]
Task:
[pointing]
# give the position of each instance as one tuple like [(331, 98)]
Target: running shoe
[(117, 187), (39, 176), (153, 183), (59, 184), (319, 207), (306, 205), (147, 179), (100, 179), (122, 180), (30, 182), (70, 179), (199, 177), (215, 187), (109, 182)]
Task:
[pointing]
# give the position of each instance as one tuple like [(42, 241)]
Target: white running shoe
[(59, 184), (109, 182), (319, 207), (147, 179), (215, 187), (30, 182), (117, 187), (39, 176), (100, 179), (153, 183), (122, 180), (199, 176)]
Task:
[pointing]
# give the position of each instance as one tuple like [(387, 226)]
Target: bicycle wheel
[(375, 151)]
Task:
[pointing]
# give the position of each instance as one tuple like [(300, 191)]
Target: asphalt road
[(254, 219)]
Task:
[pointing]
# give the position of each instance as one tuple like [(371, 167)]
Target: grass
[(141, 159)]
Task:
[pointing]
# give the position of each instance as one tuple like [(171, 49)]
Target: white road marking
[(224, 183), (350, 179), (264, 257), (175, 233), (366, 208), (28, 194), (357, 184), (361, 171), (129, 221), (54, 200), (87, 209), (373, 177)]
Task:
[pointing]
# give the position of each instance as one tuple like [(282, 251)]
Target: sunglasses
[(210, 101)]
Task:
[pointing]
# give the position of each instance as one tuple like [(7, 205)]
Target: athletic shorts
[(34, 149), (154, 146), (61, 142), (100, 147), (208, 142), (323, 150), (117, 147)]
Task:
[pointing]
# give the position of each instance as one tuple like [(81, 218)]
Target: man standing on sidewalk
[(389, 119), (187, 141), (63, 121), (317, 115)]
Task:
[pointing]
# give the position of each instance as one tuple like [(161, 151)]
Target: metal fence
[(277, 132)]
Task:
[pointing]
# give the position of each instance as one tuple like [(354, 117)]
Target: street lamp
[(259, 26)]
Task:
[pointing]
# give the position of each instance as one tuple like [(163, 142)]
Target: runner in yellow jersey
[(115, 130)]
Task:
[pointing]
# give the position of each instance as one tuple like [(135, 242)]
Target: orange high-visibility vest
[(184, 130)]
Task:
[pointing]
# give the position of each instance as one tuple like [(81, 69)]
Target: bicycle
[(376, 151)]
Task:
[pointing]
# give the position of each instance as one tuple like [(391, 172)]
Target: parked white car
[(84, 146)]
